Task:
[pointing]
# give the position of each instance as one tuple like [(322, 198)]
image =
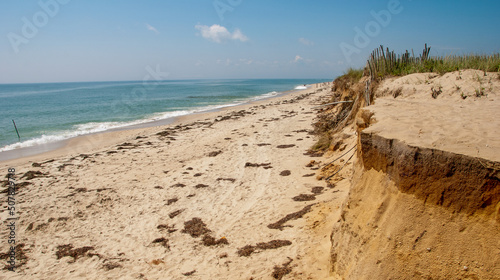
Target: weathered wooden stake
[(19, 137)]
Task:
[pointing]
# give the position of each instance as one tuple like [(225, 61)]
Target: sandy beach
[(235, 193), (220, 195), (252, 140)]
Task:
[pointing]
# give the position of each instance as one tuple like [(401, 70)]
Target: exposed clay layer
[(458, 182)]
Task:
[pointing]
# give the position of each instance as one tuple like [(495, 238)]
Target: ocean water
[(46, 113)]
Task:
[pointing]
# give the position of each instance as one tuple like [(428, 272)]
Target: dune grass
[(382, 63), (349, 78), (354, 74)]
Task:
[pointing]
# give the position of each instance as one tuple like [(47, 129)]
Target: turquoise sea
[(46, 113)]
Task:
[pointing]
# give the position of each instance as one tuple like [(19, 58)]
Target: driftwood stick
[(341, 167), (341, 155), (338, 102)]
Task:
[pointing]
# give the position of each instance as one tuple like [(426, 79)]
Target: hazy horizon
[(169, 80)]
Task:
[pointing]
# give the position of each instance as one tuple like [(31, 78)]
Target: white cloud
[(219, 34), (298, 58), (226, 62), (306, 42), (151, 28), (246, 61), (238, 35), (301, 60)]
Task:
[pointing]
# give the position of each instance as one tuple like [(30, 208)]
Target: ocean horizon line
[(161, 80)]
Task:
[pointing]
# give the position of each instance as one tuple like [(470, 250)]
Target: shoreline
[(47, 150)]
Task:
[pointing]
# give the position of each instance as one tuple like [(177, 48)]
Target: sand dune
[(460, 119), (424, 200)]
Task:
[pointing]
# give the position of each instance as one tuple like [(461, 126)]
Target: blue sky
[(91, 40)]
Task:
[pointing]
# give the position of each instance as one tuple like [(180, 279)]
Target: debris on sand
[(209, 240), (293, 216), (172, 200), (232, 180), (280, 271), (317, 190), (265, 165), (162, 241), (215, 153), (285, 146), (274, 244), (33, 174), (168, 228), (35, 164), (311, 163), (285, 173), (246, 250), (111, 266), (19, 186), (313, 153), (304, 197), (189, 273), (175, 213), (68, 251), (21, 258), (195, 227)]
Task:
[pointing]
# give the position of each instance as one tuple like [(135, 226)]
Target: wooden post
[(19, 137)]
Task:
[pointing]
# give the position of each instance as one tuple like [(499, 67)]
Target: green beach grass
[(383, 63)]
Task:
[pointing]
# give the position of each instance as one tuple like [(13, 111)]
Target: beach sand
[(208, 197)]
